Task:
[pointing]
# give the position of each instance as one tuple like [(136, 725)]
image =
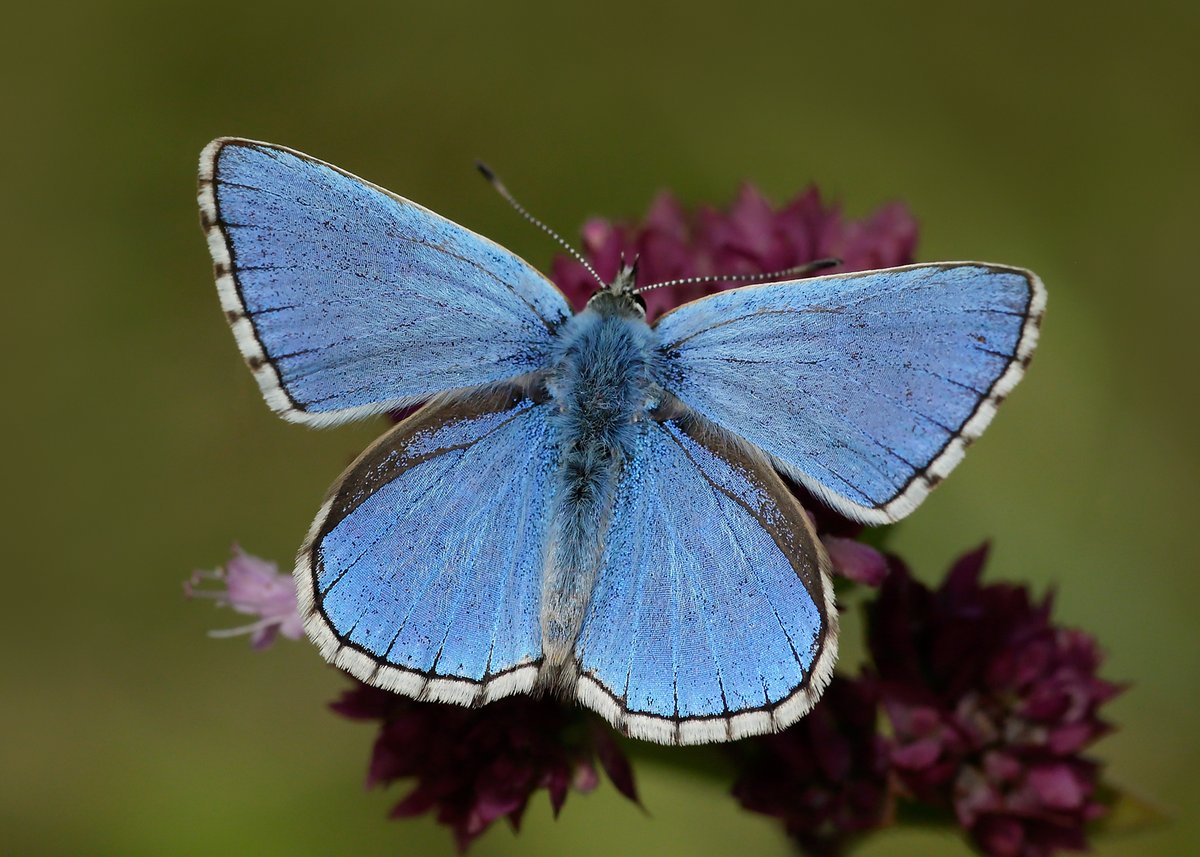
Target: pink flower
[(254, 587)]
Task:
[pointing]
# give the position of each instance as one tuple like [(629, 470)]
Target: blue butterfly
[(587, 504)]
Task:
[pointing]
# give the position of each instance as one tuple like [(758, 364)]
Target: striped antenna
[(808, 268), (495, 182)]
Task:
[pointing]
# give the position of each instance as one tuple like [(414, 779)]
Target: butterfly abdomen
[(600, 384)]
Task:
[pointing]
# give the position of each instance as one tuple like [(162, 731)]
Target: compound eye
[(640, 301)]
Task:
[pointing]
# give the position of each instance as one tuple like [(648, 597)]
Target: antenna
[(495, 182), (808, 268)]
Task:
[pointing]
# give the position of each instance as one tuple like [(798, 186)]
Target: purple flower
[(826, 777), (474, 766), (255, 587), (751, 237), (991, 706)]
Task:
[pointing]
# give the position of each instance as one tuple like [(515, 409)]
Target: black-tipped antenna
[(808, 268), (495, 182)]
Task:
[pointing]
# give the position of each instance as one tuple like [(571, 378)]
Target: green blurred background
[(1061, 137)]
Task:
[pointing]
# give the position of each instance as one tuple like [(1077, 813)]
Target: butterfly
[(586, 504)]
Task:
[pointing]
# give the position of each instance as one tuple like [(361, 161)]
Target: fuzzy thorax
[(601, 386)]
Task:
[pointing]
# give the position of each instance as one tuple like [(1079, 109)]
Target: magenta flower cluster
[(991, 706), (975, 708)]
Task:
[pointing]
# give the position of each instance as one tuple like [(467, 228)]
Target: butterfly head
[(620, 295)]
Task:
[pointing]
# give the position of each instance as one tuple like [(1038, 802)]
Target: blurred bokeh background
[(1061, 137)]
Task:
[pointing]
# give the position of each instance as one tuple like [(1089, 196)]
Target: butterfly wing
[(347, 300), (712, 617), (422, 572), (866, 388)]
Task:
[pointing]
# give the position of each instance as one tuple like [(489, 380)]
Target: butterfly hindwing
[(712, 617), (347, 300), (422, 572), (865, 387)]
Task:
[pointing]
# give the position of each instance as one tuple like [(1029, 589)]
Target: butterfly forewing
[(348, 300), (864, 387)]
